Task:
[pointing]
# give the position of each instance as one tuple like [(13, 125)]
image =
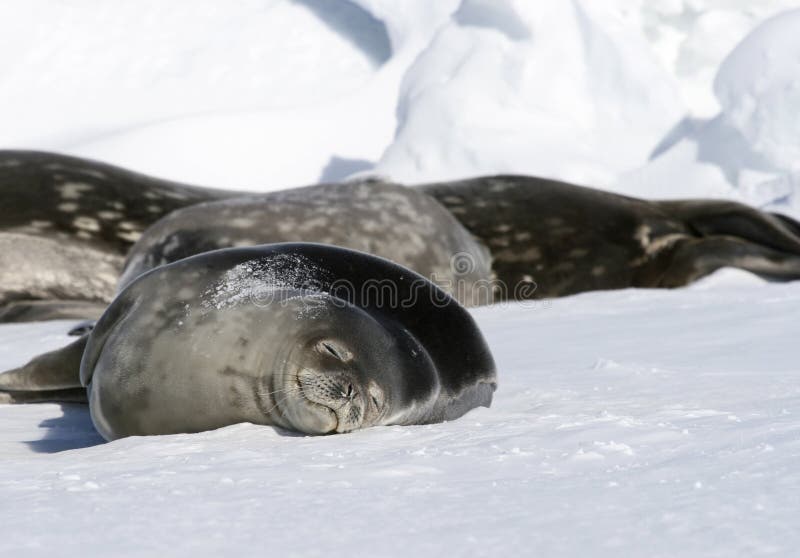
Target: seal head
[(354, 375)]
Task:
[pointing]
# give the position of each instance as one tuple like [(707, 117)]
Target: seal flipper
[(790, 223), (730, 234), (455, 406), (74, 395), (723, 218), (48, 377), (697, 257)]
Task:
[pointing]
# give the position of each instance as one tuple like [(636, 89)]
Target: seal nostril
[(350, 391)]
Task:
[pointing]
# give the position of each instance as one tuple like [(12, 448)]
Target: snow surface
[(633, 423), (627, 423)]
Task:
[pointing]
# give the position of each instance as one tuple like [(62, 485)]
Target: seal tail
[(730, 234), (723, 218), (698, 257), (788, 222), (53, 376)]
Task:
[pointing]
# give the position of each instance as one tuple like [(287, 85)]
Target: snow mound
[(758, 86), (557, 89), (501, 16), (727, 277), (691, 37), (116, 67), (256, 95), (751, 150), (257, 150)]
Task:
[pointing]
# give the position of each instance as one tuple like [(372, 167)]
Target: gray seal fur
[(389, 220), (300, 336)]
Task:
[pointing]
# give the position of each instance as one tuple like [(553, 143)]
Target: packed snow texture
[(628, 423)]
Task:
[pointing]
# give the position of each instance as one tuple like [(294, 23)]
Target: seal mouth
[(290, 405), (320, 398), (324, 409)]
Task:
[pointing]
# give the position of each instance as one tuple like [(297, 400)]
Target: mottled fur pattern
[(66, 225), (564, 239), (388, 220)]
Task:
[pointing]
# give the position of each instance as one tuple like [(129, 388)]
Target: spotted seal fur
[(389, 220), (63, 217), (564, 239)]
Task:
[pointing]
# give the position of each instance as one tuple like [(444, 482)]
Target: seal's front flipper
[(54, 372), (698, 257)]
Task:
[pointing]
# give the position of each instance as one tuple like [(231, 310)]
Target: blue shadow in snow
[(72, 430)]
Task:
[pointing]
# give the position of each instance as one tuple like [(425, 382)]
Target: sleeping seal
[(66, 225), (389, 220), (307, 337), (559, 239)]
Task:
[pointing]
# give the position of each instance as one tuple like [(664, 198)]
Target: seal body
[(66, 225), (389, 220), (549, 238), (308, 337)]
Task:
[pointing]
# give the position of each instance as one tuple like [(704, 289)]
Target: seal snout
[(334, 393)]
